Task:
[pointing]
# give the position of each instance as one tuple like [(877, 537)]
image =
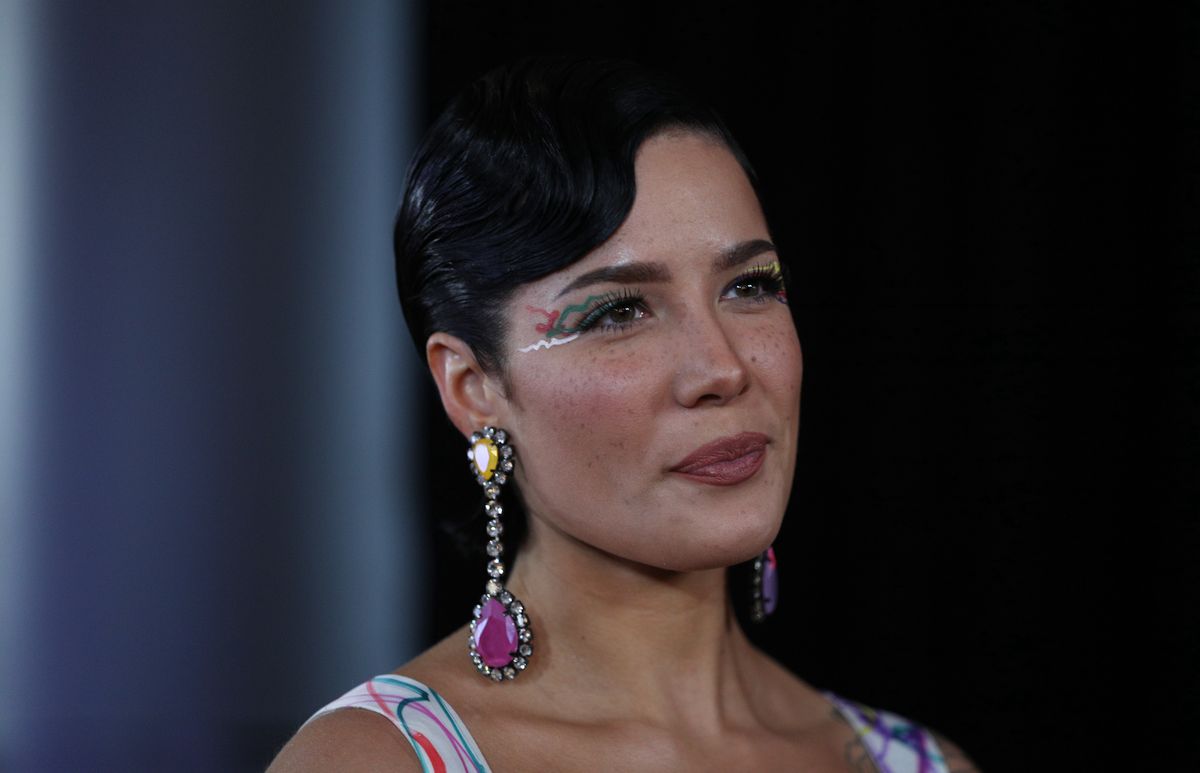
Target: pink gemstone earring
[(765, 590), (501, 636)]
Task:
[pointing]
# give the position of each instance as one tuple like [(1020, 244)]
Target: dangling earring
[(501, 637), (765, 591)]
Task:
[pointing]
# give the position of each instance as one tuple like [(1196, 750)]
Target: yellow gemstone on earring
[(485, 456)]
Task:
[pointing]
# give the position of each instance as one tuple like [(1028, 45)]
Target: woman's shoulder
[(350, 741), (392, 722), (894, 742)]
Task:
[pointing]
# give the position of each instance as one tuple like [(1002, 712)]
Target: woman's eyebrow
[(625, 273), (634, 273), (741, 253)]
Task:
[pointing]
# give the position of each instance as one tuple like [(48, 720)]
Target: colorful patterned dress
[(443, 744)]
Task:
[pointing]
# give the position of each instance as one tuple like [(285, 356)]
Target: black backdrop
[(990, 214)]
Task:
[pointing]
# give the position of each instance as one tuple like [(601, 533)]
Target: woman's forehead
[(694, 210)]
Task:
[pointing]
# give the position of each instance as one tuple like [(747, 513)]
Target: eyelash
[(606, 305), (768, 275)]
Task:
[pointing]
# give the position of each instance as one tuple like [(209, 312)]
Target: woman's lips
[(727, 461)]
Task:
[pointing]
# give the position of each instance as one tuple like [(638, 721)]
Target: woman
[(584, 260)]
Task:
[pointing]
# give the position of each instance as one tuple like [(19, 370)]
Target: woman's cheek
[(580, 414)]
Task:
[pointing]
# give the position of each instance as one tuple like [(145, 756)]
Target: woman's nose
[(709, 369)]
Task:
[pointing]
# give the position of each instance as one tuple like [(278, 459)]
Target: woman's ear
[(471, 398)]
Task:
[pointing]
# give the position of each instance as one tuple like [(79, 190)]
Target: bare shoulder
[(354, 740), (349, 740), (956, 759)]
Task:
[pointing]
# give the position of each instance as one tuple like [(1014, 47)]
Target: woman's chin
[(718, 551)]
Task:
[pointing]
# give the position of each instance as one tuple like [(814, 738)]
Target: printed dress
[(442, 743)]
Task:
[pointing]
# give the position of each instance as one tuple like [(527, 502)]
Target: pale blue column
[(17, 51), (218, 535)]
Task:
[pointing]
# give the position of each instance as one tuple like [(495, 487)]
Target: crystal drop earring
[(765, 588), (501, 639)]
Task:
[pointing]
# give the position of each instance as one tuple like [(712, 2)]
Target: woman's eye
[(754, 287), (748, 288), (621, 314), (614, 314)]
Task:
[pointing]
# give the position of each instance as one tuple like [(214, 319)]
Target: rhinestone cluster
[(504, 650)]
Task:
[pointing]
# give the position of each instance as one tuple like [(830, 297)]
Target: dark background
[(227, 465), (990, 215)]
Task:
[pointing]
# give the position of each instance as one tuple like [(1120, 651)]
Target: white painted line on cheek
[(544, 344)]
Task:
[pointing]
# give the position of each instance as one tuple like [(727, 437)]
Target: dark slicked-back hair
[(525, 172)]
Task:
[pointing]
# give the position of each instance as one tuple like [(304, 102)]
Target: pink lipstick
[(727, 461)]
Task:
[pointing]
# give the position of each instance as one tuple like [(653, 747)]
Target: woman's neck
[(627, 641)]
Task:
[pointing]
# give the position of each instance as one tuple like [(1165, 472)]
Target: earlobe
[(467, 393)]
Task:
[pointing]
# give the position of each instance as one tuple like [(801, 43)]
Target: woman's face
[(654, 386)]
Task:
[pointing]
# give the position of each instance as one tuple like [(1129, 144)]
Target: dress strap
[(438, 736), (895, 744)]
